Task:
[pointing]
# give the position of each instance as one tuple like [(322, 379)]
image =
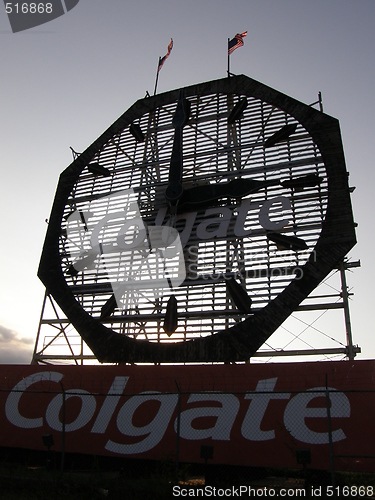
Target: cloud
[(14, 349)]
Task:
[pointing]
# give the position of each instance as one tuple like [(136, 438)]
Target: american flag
[(163, 59), (236, 42)]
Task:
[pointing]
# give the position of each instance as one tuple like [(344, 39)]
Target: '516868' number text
[(25, 8), (350, 491)]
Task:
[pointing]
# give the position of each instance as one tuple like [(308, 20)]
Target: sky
[(64, 82)]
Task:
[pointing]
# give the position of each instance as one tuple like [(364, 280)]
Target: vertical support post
[(63, 431), (34, 360), (157, 77), (330, 442), (228, 72), (177, 460), (345, 298), (81, 351), (320, 100)]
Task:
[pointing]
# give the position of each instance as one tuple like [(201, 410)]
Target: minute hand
[(180, 118)]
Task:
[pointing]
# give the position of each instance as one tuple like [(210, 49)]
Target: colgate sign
[(256, 415)]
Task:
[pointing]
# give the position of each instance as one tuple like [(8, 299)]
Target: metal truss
[(58, 342)]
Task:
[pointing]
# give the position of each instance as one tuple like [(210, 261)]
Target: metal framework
[(204, 305), (58, 342), (232, 238)]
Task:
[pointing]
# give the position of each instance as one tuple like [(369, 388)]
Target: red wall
[(256, 414)]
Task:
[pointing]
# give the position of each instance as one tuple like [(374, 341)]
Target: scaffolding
[(58, 342)]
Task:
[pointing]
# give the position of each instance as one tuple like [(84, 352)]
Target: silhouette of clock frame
[(256, 184)]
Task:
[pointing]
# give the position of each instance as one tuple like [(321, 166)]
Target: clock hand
[(239, 295), (281, 135), (97, 170), (108, 308), (237, 188), (237, 111), (174, 192), (136, 132), (287, 242), (180, 118), (309, 180), (171, 316), (200, 196)]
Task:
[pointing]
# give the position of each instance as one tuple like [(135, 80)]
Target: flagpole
[(228, 58), (157, 77)]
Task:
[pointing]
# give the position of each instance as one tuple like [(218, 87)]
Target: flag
[(163, 59), (236, 42)]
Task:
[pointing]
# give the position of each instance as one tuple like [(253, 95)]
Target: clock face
[(190, 230)]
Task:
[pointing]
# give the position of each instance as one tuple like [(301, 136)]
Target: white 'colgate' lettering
[(273, 215), (226, 416), (11, 406), (257, 408), (153, 432), (225, 407), (297, 410)]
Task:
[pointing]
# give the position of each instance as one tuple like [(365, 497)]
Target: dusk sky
[(64, 82)]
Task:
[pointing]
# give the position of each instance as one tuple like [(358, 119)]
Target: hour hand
[(174, 189), (200, 196)]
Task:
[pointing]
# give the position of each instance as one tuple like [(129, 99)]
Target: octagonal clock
[(197, 223)]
